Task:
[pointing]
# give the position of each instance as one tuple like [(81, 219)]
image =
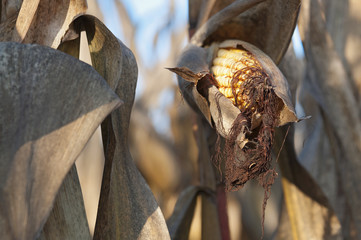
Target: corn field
[(224, 126)]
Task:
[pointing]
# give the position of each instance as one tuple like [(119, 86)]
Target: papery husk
[(214, 106), (198, 88), (278, 81), (268, 25), (195, 81)]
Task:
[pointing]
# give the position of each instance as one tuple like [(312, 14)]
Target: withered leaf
[(187, 74), (6, 28), (302, 192), (334, 90), (210, 219), (67, 220), (127, 207), (268, 25), (194, 12), (51, 104), (180, 222), (24, 19), (71, 47), (303, 184), (195, 59), (44, 23), (211, 228), (9, 9), (220, 19)]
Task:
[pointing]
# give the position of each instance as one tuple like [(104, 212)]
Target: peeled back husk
[(218, 110), (198, 87)]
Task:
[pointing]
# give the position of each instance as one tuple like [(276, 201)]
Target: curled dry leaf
[(26, 14), (301, 192), (67, 220), (9, 13), (246, 124), (268, 24), (9, 8), (211, 217), (180, 222), (327, 30), (44, 125), (38, 21), (220, 19), (127, 207), (6, 28)]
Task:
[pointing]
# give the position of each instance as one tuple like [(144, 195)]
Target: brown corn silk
[(241, 78), (243, 105), (244, 100)]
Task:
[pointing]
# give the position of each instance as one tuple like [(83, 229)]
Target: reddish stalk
[(222, 212)]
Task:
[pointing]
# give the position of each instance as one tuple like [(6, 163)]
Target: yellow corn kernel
[(237, 55), (226, 81), (229, 63), (223, 71), (225, 66), (227, 91)]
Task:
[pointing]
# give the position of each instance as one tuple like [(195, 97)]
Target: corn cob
[(241, 78), (233, 70)]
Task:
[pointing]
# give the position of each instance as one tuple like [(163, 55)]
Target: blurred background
[(161, 134)]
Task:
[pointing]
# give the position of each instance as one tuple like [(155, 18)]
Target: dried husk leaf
[(25, 17), (9, 9), (44, 124), (301, 192), (268, 25), (220, 19), (45, 22), (350, 40), (127, 207), (215, 107), (6, 28), (192, 61), (320, 219), (194, 9), (335, 91), (180, 222), (278, 81), (67, 220), (71, 47), (211, 228)]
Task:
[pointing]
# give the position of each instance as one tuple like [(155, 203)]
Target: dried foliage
[(248, 129), (51, 104), (329, 92), (50, 122), (40, 131)]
